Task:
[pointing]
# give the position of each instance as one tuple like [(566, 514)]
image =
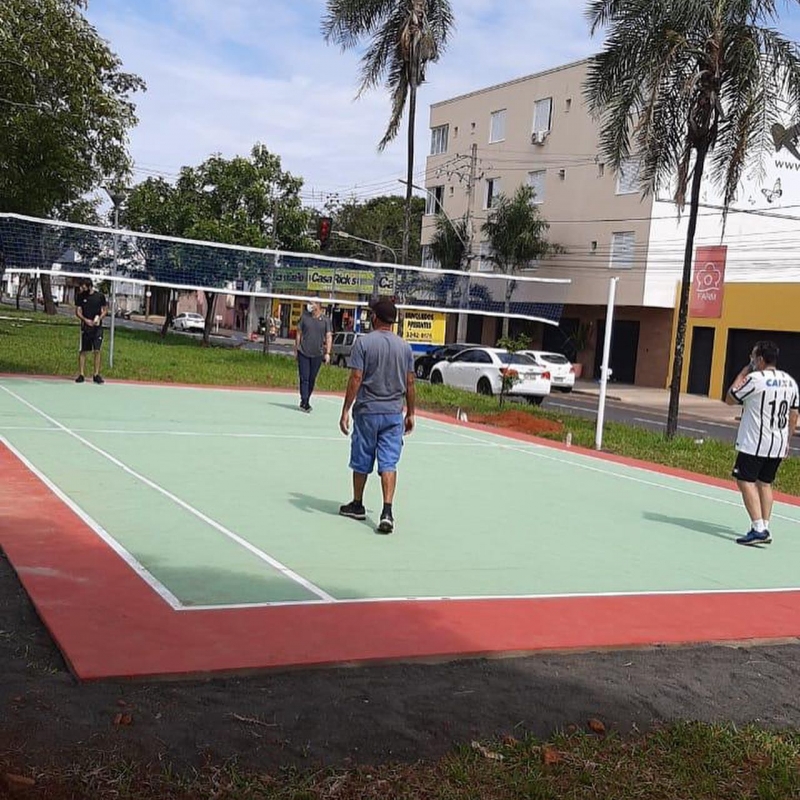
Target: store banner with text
[(424, 327), (708, 283)]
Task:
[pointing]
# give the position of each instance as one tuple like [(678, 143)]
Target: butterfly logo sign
[(774, 193)]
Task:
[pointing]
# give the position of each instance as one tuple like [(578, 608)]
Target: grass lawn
[(48, 346), (686, 760)]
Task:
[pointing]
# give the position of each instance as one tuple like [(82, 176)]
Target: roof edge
[(512, 82)]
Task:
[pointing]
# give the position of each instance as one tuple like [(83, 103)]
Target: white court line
[(274, 563), (126, 556), (535, 450), (224, 435), (494, 597)]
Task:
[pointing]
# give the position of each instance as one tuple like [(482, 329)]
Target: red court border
[(109, 623)]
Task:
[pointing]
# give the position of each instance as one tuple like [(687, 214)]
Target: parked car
[(480, 369), (560, 367), (424, 363), (188, 321), (342, 347)]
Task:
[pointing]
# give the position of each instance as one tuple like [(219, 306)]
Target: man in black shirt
[(90, 308)]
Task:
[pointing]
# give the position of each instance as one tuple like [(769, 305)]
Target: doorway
[(700, 361), (624, 350)]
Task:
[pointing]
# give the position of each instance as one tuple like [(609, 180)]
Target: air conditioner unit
[(538, 137)]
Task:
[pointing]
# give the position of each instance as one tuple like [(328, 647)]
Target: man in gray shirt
[(381, 384), (312, 345)]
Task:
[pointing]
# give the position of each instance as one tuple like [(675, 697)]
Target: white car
[(560, 368), (480, 369), (187, 321)]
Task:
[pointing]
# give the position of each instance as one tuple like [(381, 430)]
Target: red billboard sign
[(708, 283)]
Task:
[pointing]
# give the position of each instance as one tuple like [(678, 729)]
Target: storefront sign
[(708, 283), (424, 327)]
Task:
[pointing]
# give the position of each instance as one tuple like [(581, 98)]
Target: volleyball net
[(140, 269)]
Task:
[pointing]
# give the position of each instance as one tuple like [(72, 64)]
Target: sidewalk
[(658, 400)]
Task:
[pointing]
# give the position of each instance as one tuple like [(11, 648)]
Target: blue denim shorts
[(376, 436)]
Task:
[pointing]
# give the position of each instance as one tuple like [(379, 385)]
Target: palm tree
[(404, 37), (516, 234), (689, 85)]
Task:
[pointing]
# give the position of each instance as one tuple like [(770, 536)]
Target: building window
[(601, 169), (568, 105), (622, 250), (536, 182), (434, 199), (497, 129), (543, 115), (492, 192), (628, 176), (485, 263), (439, 139)]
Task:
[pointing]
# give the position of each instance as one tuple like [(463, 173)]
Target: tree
[(404, 37), (516, 234), (379, 219), (687, 86), (65, 110), (244, 201)]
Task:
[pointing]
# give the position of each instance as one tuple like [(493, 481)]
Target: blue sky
[(224, 75)]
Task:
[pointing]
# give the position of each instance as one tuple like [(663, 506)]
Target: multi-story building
[(538, 130)]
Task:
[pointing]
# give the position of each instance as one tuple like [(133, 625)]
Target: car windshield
[(516, 358), (554, 358)]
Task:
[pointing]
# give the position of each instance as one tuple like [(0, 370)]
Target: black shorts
[(91, 339), (750, 469)]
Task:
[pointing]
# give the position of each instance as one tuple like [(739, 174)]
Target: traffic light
[(324, 231)]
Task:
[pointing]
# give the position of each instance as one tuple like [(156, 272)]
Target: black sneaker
[(755, 537), (305, 408), (98, 379), (353, 510), (80, 379), (386, 525)]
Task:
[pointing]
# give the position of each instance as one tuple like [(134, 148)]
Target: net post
[(604, 370)]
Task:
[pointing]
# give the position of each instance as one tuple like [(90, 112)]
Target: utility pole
[(461, 333)]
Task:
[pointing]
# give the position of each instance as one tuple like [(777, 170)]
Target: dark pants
[(308, 368)]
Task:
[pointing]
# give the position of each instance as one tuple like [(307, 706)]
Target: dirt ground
[(365, 715), (519, 421)]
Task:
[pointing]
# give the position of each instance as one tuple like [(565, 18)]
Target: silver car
[(342, 347)]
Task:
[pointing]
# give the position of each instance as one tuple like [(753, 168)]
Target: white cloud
[(222, 76)]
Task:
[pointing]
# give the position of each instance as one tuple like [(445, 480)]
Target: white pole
[(113, 290), (605, 372)]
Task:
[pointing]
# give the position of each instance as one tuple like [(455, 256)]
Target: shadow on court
[(696, 525), (317, 505)]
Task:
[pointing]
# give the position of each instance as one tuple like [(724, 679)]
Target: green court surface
[(231, 498)]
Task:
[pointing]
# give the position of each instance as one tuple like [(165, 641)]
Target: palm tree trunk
[(412, 116), (683, 304)]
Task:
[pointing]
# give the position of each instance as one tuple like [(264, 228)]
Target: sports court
[(165, 530)]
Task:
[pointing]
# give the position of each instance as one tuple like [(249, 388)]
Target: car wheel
[(420, 370), (485, 387), (436, 378), (534, 400)]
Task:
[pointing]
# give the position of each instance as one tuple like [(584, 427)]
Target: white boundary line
[(224, 435), (126, 556), (274, 563), (478, 597)]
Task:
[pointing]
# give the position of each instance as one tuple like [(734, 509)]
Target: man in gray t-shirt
[(312, 346), (381, 384)]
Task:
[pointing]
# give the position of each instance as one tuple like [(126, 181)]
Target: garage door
[(740, 343)]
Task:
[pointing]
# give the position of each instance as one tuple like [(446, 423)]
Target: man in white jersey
[(769, 420)]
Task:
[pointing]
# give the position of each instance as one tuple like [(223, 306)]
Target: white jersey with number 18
[(768, 398)]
